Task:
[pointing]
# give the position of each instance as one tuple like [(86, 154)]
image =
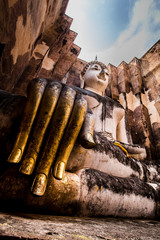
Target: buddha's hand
[(52, 119)]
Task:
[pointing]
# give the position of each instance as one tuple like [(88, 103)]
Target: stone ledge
[(34, 226)]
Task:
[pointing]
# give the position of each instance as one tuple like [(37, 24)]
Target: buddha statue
[(71, 154)]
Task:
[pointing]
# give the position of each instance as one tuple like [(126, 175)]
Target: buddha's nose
[(102, 74)]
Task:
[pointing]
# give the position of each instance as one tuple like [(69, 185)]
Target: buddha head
[(94, 77)]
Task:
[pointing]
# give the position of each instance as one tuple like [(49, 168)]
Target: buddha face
[(96, 78)]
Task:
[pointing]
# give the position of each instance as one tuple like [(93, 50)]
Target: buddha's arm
[(119, 121)]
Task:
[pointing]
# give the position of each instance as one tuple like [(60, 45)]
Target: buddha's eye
[(106, 72), (96, 67)]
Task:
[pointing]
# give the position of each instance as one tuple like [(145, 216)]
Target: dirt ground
[(35, 226)]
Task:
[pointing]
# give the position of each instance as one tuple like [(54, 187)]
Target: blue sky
[(114, 30)]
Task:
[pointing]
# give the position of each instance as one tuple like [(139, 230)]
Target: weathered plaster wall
[(35, 39)]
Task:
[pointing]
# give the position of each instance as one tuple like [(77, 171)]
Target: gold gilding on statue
[(59, 169), (71, 133), (27, 165), (87, 140), (39, 185), (35, 93), (47, 108), (57, 127), (124, 150), (15, 155)]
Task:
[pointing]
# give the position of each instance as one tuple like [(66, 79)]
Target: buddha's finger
[(57, 128), (71, 133), (35, 92), (46, 109), (86, 134)]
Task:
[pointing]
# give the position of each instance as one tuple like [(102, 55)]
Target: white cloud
[(102, 1), (75, 10), (141, 34), (135, 40)]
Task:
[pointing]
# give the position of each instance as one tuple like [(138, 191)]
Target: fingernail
[(39, 185), (15, 156), (27, 166), (59, 170)]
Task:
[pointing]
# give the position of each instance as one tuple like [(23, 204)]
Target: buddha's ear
[(81, 81)]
